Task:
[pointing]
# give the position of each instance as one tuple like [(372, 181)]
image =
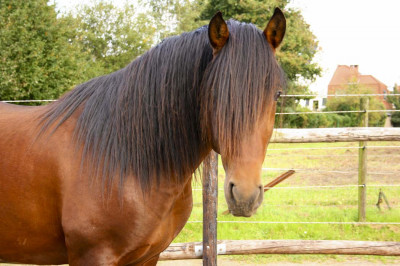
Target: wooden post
[(210, 202), (362, 163)]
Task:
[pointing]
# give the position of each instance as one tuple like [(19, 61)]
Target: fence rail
[(194, 250), (310, 135)]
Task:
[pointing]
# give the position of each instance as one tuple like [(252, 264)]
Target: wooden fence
[(240, 247), (210, 247)]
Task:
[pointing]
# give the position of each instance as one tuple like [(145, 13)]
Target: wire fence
[(27, 101), (326, 203), (332, 148), (282, 95), (296, 222), (338, 95), (279, 113), (332, 155), (317, 187), (338, 112)]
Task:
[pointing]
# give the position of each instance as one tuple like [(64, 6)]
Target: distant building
[(316, 104), (347, 75)]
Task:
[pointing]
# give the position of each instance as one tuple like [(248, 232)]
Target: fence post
[(362, 162), (210, 203)]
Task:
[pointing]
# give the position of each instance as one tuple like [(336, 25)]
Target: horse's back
[(29, 220)]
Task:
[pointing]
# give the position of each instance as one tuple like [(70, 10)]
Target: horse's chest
[(134, 231), (160, 226)]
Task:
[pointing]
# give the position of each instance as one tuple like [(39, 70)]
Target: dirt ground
[(228, 262)]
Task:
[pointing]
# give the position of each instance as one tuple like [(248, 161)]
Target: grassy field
[(305, 204)]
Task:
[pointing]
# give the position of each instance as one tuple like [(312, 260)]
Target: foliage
[(109, 36), (37, 59), (375, 119), (301, 120), (395, 100), (395, 119), (317, 120), (173, 17), (44, 55)]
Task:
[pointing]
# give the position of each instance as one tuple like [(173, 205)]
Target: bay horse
[(103, 176)]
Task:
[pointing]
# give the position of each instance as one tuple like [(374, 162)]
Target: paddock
[(210, 248)]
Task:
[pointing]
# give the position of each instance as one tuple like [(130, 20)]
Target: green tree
[(375, 119), (172, 17), (395, 100), (37, 58), (109, 36)]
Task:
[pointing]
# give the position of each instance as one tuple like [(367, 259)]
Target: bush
[(353, 104), (395, 119)]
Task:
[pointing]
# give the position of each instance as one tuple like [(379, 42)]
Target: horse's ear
[(275, 30), (218, 32)]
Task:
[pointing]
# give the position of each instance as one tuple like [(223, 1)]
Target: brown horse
[(103, 176)]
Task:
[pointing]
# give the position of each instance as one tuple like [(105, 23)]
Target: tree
[(37, 59), (109, 36), (375, 119), (395, 100), (173, 17)]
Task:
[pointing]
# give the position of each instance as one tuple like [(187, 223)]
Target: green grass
[(336, 204)]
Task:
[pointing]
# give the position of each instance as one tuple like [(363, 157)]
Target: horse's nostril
[(231, 185)]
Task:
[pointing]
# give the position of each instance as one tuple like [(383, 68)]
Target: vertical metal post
[(210, 202), (362, 163)]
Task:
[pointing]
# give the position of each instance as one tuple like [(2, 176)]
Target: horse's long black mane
[(151, 118)]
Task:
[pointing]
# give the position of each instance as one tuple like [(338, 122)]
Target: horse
[(103, 176)]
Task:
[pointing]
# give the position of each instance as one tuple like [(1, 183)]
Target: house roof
[(369, 79), (345, 74)]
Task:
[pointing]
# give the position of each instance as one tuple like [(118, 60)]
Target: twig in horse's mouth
[(279, 179)]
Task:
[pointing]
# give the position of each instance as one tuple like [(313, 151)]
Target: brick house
[(345, 75)]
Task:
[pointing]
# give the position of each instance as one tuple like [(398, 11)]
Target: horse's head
[(241, 87)]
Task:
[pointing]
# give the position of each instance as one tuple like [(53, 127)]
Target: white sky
[(350, 32), (355, 32)]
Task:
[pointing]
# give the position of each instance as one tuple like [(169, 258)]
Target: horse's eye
[(277, 95)]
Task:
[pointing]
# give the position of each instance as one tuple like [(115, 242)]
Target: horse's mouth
[(239, 213)]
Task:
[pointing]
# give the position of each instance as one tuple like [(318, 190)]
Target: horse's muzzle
[(242, 201)]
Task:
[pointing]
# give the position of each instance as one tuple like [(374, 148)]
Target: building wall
[(345, 75)]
